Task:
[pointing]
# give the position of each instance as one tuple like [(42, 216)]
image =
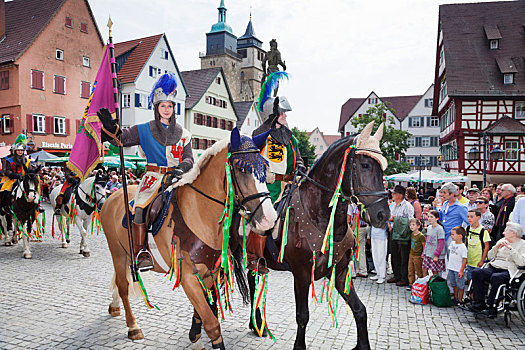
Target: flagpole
[(133, 266)]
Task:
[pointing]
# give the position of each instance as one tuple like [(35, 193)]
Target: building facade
[(475, 92), (240, 58), (210, 114), (321, 141), (49, 57), (139, 64), (248, 118), (424, 143)]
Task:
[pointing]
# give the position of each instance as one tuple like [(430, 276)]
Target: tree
[(394, 142), (305, 147)]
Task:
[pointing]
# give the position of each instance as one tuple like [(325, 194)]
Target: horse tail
[(134, 291), (240, 275)]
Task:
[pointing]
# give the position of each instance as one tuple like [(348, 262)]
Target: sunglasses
[(479, 202)]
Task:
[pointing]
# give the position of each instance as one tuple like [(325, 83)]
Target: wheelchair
[(509, 297)]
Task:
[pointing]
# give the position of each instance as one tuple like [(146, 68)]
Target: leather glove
[(109, 124), (300, 169), (15, 176)]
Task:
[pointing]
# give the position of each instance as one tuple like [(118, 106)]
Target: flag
[(88, 149)]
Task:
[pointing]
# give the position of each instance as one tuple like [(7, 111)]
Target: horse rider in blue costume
[(166, 146)]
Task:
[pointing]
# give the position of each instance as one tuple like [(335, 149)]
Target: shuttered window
[(37, 79), (59, 85), (83, 27), (4, 80), (85, 89), (7, 124), (69, 22)]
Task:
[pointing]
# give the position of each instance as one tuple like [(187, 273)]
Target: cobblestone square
[(59, 300)]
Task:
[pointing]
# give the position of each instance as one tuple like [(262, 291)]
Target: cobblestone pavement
[(59, 299)]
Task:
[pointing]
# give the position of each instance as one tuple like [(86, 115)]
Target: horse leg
[(81, 224), (194, 293), (114, 307), (27, 251), (258, 317), (63, 236), (302, 314), (196, 322), (358, 308), (8, 231)]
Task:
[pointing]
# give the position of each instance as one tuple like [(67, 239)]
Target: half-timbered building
[(480, 89)]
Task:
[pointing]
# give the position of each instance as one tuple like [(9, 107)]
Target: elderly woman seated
[(504, 259)]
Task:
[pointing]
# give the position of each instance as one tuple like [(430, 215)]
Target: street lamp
[(420, 166), (474, 154)]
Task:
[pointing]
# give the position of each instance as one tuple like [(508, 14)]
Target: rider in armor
[(280, 148), (72, 179), (167, 148)]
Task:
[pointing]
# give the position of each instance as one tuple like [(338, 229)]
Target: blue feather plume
[(268, 86), (168, 83)]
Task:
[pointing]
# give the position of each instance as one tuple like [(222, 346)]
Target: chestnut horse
[(309, 217), (199, 197)]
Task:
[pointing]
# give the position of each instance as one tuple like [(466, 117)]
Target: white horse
[(88, 195)]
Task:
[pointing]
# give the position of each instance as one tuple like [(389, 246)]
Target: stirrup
[(142, 257), (256, 263)]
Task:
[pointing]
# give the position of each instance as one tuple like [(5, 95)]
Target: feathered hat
[(165, 89), (20, 143), (267, 104)]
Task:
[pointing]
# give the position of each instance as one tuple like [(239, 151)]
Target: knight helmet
[(20, 143), (165, 89)]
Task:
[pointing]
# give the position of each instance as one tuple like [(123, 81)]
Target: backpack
[(480, 236)]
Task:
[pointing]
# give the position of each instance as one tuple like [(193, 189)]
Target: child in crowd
[(457, 261), (434, 252), (478, 240), (415, 260)]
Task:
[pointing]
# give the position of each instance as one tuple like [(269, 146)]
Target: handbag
[(439, 292)]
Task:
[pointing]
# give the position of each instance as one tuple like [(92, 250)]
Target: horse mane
[(192, 175), (330, 149)]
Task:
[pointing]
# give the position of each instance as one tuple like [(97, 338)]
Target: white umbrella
[(398, 177), (425, 174), (446, 177)]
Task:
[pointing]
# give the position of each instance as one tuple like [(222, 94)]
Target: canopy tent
[(56, 160), (114, 162), (446, 177), (425, 174), (134, 158), (42, 156), (398, 177)]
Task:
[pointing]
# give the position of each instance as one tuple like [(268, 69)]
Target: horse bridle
[(95, 201), (21, 184), (383, 195), (239, 203)]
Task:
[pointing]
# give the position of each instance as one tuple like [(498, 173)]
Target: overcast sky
[(333, 49)]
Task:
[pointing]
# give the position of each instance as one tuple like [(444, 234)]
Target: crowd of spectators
[(463, 234)]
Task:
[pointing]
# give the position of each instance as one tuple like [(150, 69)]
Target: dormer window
[(508, 78), (493, 35), (494, 44)]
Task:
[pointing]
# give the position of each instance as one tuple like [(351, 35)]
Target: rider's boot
[(255, 245), (58, 204), (142, 256)]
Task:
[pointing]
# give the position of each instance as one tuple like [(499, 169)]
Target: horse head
[(249, 181), (99, 189), (363, 173), (30, 184)]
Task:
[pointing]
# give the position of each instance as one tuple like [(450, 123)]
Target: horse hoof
[(135, 334), (86, 254), (81, 251), (68, 241), (8, 244), (114, 311), (28, 255), (64, 245)]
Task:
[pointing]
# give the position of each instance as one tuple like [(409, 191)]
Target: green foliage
[(394, 141), (305, 147)]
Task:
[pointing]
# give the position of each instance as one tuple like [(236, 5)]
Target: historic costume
[(72, 179), (167, 148), (280, 148)]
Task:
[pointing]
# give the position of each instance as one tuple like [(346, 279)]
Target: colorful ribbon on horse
[(332, 307), (203, 286), (145, 294), (328, 241), (314, 297), (261, 288), (175, 267), (284, 236), (227, 215), (244, 255)]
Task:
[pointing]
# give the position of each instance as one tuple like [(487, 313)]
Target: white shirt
[(456, 254)]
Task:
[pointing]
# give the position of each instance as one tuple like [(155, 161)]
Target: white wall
[(370, 101), (251, 122)]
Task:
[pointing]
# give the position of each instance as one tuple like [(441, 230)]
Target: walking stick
[(133, 266)]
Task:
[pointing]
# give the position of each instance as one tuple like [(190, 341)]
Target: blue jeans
[(469, 271)]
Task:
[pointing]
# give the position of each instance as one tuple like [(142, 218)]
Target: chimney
[(2, 20)]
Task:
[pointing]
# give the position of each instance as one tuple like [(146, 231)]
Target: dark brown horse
[(309, 217)]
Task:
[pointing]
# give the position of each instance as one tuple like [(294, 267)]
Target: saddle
[(154, 220)]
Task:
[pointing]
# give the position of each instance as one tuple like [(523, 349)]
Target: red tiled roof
[(142, 49), (506, 126), (329, 139), (348, 109), (471, 66), (402, 105), (25, 20)]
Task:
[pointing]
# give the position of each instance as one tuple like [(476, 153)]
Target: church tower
[(252, 54), (221, 51)]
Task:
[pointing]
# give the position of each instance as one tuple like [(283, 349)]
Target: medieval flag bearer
[(280, 148), (167, 148)]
